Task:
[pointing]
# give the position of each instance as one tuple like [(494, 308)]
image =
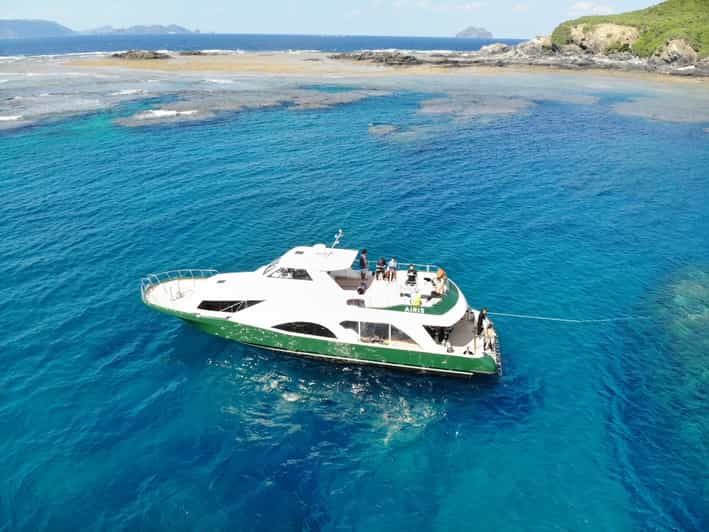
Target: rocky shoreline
[(540, 52)]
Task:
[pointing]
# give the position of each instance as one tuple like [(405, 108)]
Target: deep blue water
[(246, 42), (115, 417)]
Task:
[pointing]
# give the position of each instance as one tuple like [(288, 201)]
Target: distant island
[(34, 29), (24, 29), (153, 29), (471, 32)]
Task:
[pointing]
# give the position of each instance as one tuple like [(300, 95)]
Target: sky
[(504, 18)]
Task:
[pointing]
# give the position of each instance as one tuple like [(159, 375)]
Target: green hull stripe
[(319, 347)]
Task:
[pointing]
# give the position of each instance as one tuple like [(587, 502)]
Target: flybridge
[(318, 258)]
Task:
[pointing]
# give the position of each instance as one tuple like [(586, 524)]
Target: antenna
[(338, 237)]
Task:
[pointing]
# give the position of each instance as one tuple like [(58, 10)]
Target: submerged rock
[(141, 55), (382, 130)]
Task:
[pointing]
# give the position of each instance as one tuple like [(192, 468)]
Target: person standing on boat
[(480, 325), (363, 264), (391, 269), (381, 266), (490, 337), (411, 275)]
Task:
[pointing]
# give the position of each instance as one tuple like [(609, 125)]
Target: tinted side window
[(376, 333), (301, 327), (226, 306), (351, 325)]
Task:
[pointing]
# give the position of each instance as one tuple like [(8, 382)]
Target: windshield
[(271, 267)]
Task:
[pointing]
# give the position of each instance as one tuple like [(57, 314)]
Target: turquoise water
[(115, 417)]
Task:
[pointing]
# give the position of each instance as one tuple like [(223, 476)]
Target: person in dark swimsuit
[(363, 264), (480, 325)]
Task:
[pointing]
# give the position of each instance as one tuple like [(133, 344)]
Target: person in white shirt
[(391, 269), (490, 337)]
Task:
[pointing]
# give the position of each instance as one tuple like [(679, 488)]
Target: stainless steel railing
[(153, 280)]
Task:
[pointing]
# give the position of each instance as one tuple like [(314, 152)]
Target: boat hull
[(335, 351)]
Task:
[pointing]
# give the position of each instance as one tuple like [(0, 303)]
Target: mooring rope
[(567, 320)]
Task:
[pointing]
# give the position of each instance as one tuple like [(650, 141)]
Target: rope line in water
[(567, 320)]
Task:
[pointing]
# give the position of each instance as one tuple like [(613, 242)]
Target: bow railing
[(176, 290)]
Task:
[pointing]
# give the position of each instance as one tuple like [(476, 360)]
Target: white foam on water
[(218, 51), (164, 113), (428, 52), (220, 81), (127, 92), (10, 118), (387, 50), (291, 397)]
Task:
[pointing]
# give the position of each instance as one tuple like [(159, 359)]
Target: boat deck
[(396, 294)]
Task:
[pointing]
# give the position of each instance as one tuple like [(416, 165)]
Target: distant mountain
[(472, 32), (26, 29), (155, 29)]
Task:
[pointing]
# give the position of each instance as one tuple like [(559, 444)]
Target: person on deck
[(411, 275), (391, 269), (363, 265), (381, 267), (490, 337), (480, 325)]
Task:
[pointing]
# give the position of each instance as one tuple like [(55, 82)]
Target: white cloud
[(520, 8), (580, 9)]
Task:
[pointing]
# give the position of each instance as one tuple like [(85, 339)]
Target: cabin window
[(377, 333), (271, 267), (290, 273), (226, 306), (302, 327), (439, 334), (374, 333), (397, 335), (351, 325)]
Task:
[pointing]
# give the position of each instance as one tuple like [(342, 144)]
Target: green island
[(655, 27)]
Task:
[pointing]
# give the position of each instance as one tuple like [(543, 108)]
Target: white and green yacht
[(311, 302)]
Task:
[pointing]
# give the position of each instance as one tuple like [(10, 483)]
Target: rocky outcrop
[(677, 58), (493, 49), (387, 58), (140, 55), (537, 46), (602, 38), (677, 52)]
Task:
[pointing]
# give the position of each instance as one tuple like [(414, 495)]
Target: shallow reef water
[(534, 191)]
